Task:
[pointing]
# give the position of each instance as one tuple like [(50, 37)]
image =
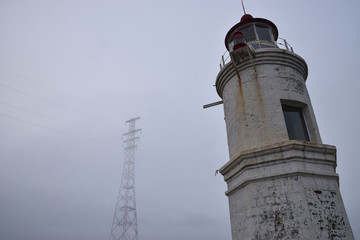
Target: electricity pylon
[(124, 226)]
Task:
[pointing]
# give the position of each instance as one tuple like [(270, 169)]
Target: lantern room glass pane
[(295, 123), (249, 33), (264, 33)]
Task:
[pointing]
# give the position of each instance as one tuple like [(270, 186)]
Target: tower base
[(286, 191)]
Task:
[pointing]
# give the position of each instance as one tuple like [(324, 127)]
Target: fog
[(72, 72)]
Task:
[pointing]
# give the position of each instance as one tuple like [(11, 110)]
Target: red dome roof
[(246, 17)]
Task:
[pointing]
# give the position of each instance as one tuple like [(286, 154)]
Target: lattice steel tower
[(124, 226)]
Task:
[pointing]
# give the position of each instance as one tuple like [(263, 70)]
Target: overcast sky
[(72, 72)]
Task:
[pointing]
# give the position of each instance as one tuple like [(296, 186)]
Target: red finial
[(246, 17)]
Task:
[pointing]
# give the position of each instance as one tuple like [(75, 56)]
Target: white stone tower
[(281, 178)]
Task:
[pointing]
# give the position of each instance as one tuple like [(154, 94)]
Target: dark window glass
[(266, 46), (249, 33), (295, 123), (263, 33), (255, 45)]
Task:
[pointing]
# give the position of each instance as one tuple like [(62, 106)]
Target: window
[(295, 123), (249, 33), (264, 33), (256, 35)]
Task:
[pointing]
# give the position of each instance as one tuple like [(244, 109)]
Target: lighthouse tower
[(281, 178)]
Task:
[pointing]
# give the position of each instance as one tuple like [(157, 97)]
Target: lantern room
[(253, 32)]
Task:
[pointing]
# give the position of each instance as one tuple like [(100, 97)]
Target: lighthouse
[(281, 178)]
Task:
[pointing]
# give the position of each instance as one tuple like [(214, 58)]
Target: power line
[(28, 94), (97, 116), (39, 83), (31, 112), (82, 101), (49, 87), (36, 97), (13, 128), (33, 124)]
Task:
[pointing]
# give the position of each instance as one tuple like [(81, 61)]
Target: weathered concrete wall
[(277, 188), (293, 207), (252, 106), (286, 191)]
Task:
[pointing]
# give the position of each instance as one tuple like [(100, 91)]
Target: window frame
[(299, 108)]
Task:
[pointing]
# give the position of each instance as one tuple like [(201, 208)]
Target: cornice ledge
[(278, 148)]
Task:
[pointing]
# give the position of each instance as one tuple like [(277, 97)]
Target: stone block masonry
[(274, 193)]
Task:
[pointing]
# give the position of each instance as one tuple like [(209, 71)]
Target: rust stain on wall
[(259, 95)]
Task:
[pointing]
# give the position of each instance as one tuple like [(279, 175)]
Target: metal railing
[(225, 58), (285, 45)]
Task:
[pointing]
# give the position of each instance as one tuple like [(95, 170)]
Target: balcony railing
[(282, 43)]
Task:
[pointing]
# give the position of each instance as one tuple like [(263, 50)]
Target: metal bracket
[(212, 104)]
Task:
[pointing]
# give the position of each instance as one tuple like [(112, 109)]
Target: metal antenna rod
[(242, 3), (124, 226)]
